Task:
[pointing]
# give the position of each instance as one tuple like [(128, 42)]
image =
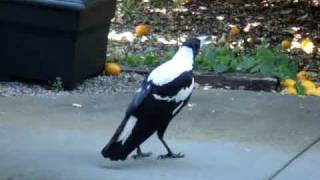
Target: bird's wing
[(183, 83), (138, 98)]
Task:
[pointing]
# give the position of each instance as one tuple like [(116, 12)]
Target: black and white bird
[(164, 92)]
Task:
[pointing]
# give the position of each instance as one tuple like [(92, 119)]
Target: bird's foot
[(171, 156), (141, 155)]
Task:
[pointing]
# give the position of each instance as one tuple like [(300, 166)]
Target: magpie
[(162, 95)]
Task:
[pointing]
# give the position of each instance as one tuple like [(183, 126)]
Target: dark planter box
[(46, 39)]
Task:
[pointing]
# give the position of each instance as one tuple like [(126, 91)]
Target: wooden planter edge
[(244, 81)]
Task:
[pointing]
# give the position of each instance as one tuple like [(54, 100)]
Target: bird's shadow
[(145, 163)]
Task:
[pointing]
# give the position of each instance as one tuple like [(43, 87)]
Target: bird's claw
[(141, 155), (171, 156)]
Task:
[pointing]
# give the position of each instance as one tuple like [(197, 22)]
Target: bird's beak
[(203, 40)]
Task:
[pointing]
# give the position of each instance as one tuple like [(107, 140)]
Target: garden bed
[(257, 21), (254, 45)]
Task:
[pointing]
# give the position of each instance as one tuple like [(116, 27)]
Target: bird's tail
[(114, 151), (117, 150)]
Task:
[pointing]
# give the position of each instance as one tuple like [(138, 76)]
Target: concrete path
[(226, 135)]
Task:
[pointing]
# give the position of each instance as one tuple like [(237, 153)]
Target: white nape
[(168, 71), (127, 130), (182, 95)]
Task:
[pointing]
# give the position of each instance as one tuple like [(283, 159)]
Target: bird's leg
[(170, 154), (140, 154)]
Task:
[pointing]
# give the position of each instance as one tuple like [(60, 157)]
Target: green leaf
[(220, 68), (208, 53), (132, 60), (150, 61), (247, 63), (266, 68), (300, 89), (264, 54), (255, 69)]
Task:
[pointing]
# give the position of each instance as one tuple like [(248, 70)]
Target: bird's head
[(194, 44)]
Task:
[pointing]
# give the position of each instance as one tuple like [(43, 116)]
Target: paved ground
[(225, 135)]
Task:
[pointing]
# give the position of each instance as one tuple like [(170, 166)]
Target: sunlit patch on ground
[(122, 37)]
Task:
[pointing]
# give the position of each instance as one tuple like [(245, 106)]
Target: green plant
[(131, 60), (146, 59), (56, 85), (150, 60), (264, 60), (300, 89), (269, 61), (206, 57), (217, 59), (314, 75), (272, 61)]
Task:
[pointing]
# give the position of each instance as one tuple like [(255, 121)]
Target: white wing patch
[(127, 130), (177, 108), (182, 95)]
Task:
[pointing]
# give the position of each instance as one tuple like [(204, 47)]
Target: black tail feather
[(114, 151), (117, 150)]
